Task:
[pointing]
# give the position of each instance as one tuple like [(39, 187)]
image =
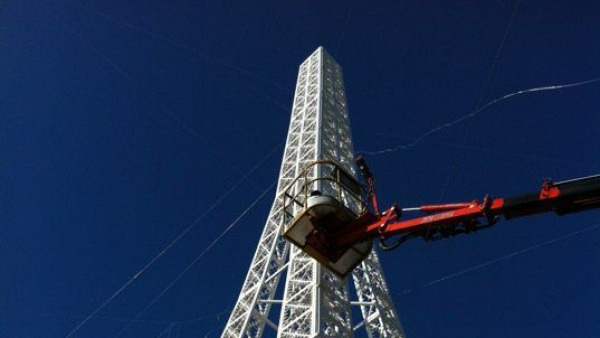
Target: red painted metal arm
[(562, 198), (366, 173), (429, 209)]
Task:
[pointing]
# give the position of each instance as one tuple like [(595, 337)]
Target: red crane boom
[(335, 239)]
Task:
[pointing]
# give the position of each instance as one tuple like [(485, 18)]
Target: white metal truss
[(315, 302)]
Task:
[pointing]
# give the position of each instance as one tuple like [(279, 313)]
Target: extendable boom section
[(451, 219), (330, 244)]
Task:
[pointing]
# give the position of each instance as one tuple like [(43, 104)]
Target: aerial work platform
[(320, 202), (330, 217)]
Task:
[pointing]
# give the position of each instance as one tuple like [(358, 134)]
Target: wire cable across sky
[(172, 243), (202, 253), (507, 256), (477, 112)]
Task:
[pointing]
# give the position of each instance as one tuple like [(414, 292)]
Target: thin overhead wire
[(212, 146), (345, 29), (166, 333), (130, 78), (477, 112), (172, 42), (200, 255), (484, 88), (170, 245), (217, 315), (490, 72), (210, 332), (175, 326), (217, 327), (177, 119), (63, 317), (493, 151), (513, 254), (507, 256), (91, 46)]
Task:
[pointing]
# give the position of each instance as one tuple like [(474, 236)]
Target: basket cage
[(327, 178)]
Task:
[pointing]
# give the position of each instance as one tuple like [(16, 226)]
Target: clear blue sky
[(121, 122)]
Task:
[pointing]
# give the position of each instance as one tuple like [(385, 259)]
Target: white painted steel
[(315, 302)]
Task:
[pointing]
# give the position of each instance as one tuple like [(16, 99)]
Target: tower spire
[(314, 302)]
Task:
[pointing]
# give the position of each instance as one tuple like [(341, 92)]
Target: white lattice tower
[(315, 302)]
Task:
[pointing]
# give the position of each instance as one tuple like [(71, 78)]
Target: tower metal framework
[(314, 302)]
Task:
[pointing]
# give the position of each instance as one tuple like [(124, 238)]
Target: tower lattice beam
[(314, 302)]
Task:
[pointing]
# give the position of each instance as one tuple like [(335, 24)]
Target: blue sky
[(123, 122)]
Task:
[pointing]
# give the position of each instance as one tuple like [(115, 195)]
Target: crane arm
[(324, 226), (446, 220)]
